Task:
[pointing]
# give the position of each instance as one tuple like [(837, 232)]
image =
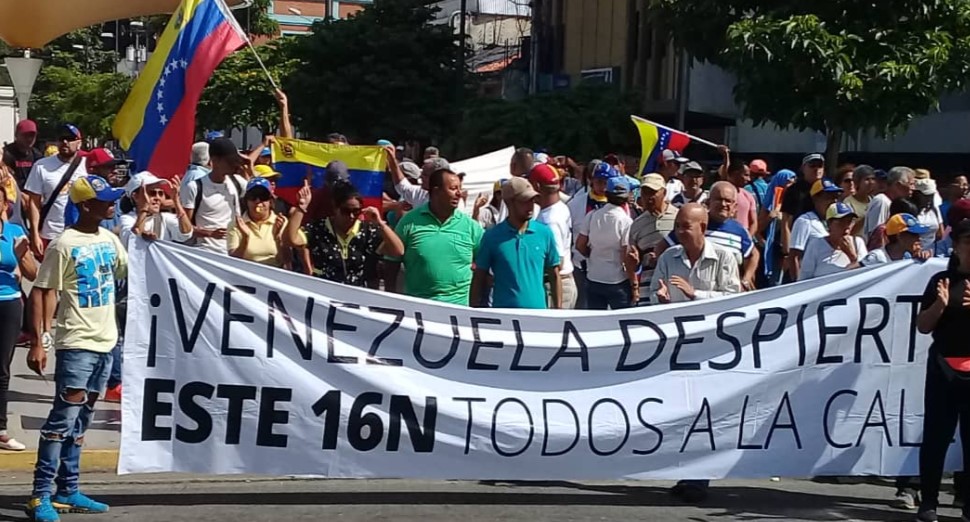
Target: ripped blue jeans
[(61, 437)]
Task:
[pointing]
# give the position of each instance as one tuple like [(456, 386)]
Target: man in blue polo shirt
[(519, 252), (727, 233)]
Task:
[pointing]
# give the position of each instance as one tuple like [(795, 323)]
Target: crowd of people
[(554, 234)]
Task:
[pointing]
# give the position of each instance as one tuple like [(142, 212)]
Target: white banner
[(233, 367)]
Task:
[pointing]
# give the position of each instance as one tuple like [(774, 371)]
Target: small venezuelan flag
[(301, 161), (157, 122), (654, 139)]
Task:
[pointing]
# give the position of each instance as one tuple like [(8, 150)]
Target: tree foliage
[(584, 122), (89, 101), (834, 65), (239, 95), (386, 72)]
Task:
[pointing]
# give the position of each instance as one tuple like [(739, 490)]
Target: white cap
[(142, 179)]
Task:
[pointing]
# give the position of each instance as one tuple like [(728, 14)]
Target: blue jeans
[(602, 296), (116, 356), (61, 437)]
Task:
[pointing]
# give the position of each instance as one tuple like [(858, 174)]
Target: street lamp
[(298, 12)]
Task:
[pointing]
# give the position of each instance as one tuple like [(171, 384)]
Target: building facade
[(296, 16), (620, 42)]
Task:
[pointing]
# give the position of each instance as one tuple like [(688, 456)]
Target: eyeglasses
[(156, 193)]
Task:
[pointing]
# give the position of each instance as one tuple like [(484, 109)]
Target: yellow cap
[(265, 171)]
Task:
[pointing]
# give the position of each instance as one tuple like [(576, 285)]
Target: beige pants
[(569, 293)]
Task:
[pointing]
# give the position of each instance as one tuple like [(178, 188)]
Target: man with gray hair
[(899, 185), (200, 165)]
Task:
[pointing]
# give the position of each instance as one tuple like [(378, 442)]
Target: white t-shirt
[(608, 230), (166, 223), (821, 259), (930, 218), (877, 214), (674, 187), (558, 218), (412, 194), (219, 207), (806, 227), (43, 179)]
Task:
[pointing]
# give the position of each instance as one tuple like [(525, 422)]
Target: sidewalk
[(30, 400)]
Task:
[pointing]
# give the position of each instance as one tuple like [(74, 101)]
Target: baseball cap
[(815, 156), (70, 130), (544, 174), (758, 166), (384, 143), (839, 210), (26, 127), (959, 211), (224, 148), (411, 170), (882, 174), (142, 179), (265, 172), (618, 186), (266, 152), (259, 183), (337, 171), (900, 223), (654, 182), (214, 135), (668, 155), (541, 158), (518, 189), (605, 171), (94, 187), (432, 165), (497, 187), (101, 157), (824, 185), (925, 186), (692, 166), (922, 173)]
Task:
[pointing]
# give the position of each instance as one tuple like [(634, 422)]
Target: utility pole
[(534, 48), (462, 35), (683, 89)]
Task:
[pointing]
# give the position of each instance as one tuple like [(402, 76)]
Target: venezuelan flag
[(654, 139), (157, 122), (301, 161)]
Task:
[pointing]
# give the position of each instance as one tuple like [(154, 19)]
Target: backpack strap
[(198, 200)]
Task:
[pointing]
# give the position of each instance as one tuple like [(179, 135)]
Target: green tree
[(89, 101), (583, 122), (386, 72), (837, 66), (239, 95)]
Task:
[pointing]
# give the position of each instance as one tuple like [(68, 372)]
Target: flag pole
[(691, 136), (259, 60)]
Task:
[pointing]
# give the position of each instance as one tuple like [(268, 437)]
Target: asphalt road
[(167, 498)]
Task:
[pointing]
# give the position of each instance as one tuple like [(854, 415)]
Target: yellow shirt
[(859, 207), (83, 268), (262, 246)]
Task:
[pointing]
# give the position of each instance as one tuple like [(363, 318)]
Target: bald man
[(695, 268)]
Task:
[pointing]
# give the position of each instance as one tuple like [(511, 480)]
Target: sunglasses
[(155, 193), (350, 211), (848, 180), (259, 198), (68, 139)]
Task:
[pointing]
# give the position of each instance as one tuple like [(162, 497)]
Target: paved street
[(166, 498)]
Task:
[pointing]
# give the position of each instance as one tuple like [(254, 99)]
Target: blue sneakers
[(39, 509), (77, 502)]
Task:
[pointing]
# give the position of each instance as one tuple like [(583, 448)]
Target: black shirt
[(950, 334), (798, 198), (20, 162), (360, 265)]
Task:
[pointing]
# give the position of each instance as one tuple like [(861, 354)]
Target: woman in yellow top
[(257, 236)]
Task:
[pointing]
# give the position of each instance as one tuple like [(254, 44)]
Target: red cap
[(100, 157), (758, 167), (958, 212), (544, 175), (26, 127)]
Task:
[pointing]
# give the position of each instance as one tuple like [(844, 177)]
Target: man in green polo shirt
[(440, 245), (519, 252)]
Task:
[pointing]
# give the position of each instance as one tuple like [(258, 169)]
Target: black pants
[(946, 401), (602, 296), (11, 317)]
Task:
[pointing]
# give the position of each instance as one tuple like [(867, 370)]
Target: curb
[(92, 460)]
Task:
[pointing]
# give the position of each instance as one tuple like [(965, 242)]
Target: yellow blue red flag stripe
[(156, 125), (301, 161), (654, 140)]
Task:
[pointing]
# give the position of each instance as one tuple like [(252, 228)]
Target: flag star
[(163, 119), (161, 108), (184, 64), (160, 95), (162, 82)]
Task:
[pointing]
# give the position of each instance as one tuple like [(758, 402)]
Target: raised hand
[(304, 197), (371, 214), (278, 227), (943, 292), (481, 201), (663, 293)]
